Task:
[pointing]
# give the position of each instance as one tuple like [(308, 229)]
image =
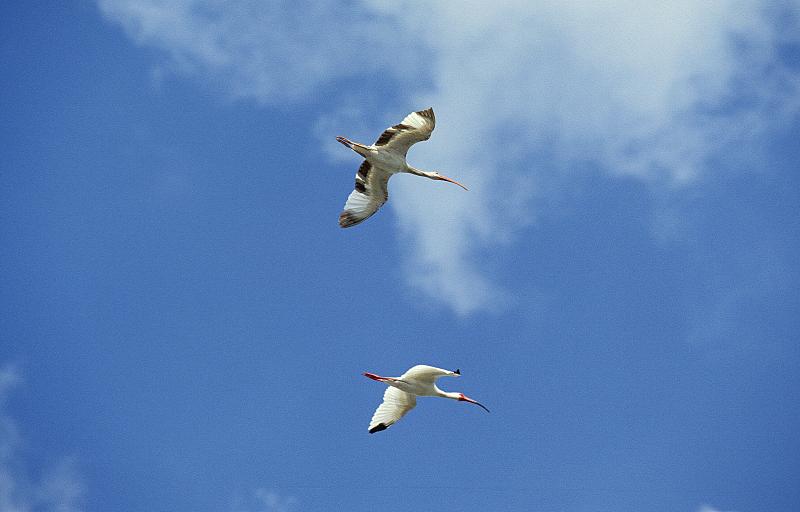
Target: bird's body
[(388, 162), (401, 395), (383, 159)]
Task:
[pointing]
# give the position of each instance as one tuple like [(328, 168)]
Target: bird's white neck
[(420, 172), (449, 394)]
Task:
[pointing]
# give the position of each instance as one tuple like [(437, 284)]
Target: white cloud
[(524, 93), (636, 89), (266, 500), (267, 51), (708, 508), (59, 489)]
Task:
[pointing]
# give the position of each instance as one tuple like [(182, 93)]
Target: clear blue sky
[(184, 325)]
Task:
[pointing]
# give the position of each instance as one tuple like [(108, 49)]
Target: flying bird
[(382, 159), (401, 395)]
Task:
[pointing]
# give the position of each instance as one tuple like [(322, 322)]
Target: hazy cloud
[(269, 52), (709, 508), (525, 92), (266, 500), (529, 91), (59, 489)]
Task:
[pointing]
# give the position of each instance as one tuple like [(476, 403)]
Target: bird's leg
[(355, 146), (344, 140), (378, 377)]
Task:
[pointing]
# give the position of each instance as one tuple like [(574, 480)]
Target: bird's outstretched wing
[(370, 193), (396, 403), (427, 374), (415, 127)]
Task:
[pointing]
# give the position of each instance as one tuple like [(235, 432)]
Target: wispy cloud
[(529, 91), (59, 489), (525, 92), (708, 508), (266, 500), (269, 52)]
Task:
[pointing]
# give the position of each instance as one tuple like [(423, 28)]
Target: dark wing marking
[(390, 132), (415, 127), (370, 193)]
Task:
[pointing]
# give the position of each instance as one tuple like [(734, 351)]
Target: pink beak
[(445, 178)]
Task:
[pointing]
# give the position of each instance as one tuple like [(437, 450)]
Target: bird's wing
[(426, 374), (370, 193), (396, 403), (415, 127)]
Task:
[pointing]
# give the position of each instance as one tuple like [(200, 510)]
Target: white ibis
[(382, 159), (401, 395)]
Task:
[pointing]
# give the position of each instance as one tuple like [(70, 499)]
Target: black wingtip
[(378, 428), (457, 372)]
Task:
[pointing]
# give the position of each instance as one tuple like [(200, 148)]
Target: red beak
[(468, 399)]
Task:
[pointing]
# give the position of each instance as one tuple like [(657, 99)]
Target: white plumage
[(401, 395), (383, 159), (396, 403)]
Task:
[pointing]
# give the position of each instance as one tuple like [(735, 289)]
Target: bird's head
[(437, 176), (464, 398)]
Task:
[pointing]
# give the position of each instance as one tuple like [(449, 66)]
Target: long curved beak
[(467, 399), (445, 178)]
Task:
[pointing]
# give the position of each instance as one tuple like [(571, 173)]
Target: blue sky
[(184, 325)]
